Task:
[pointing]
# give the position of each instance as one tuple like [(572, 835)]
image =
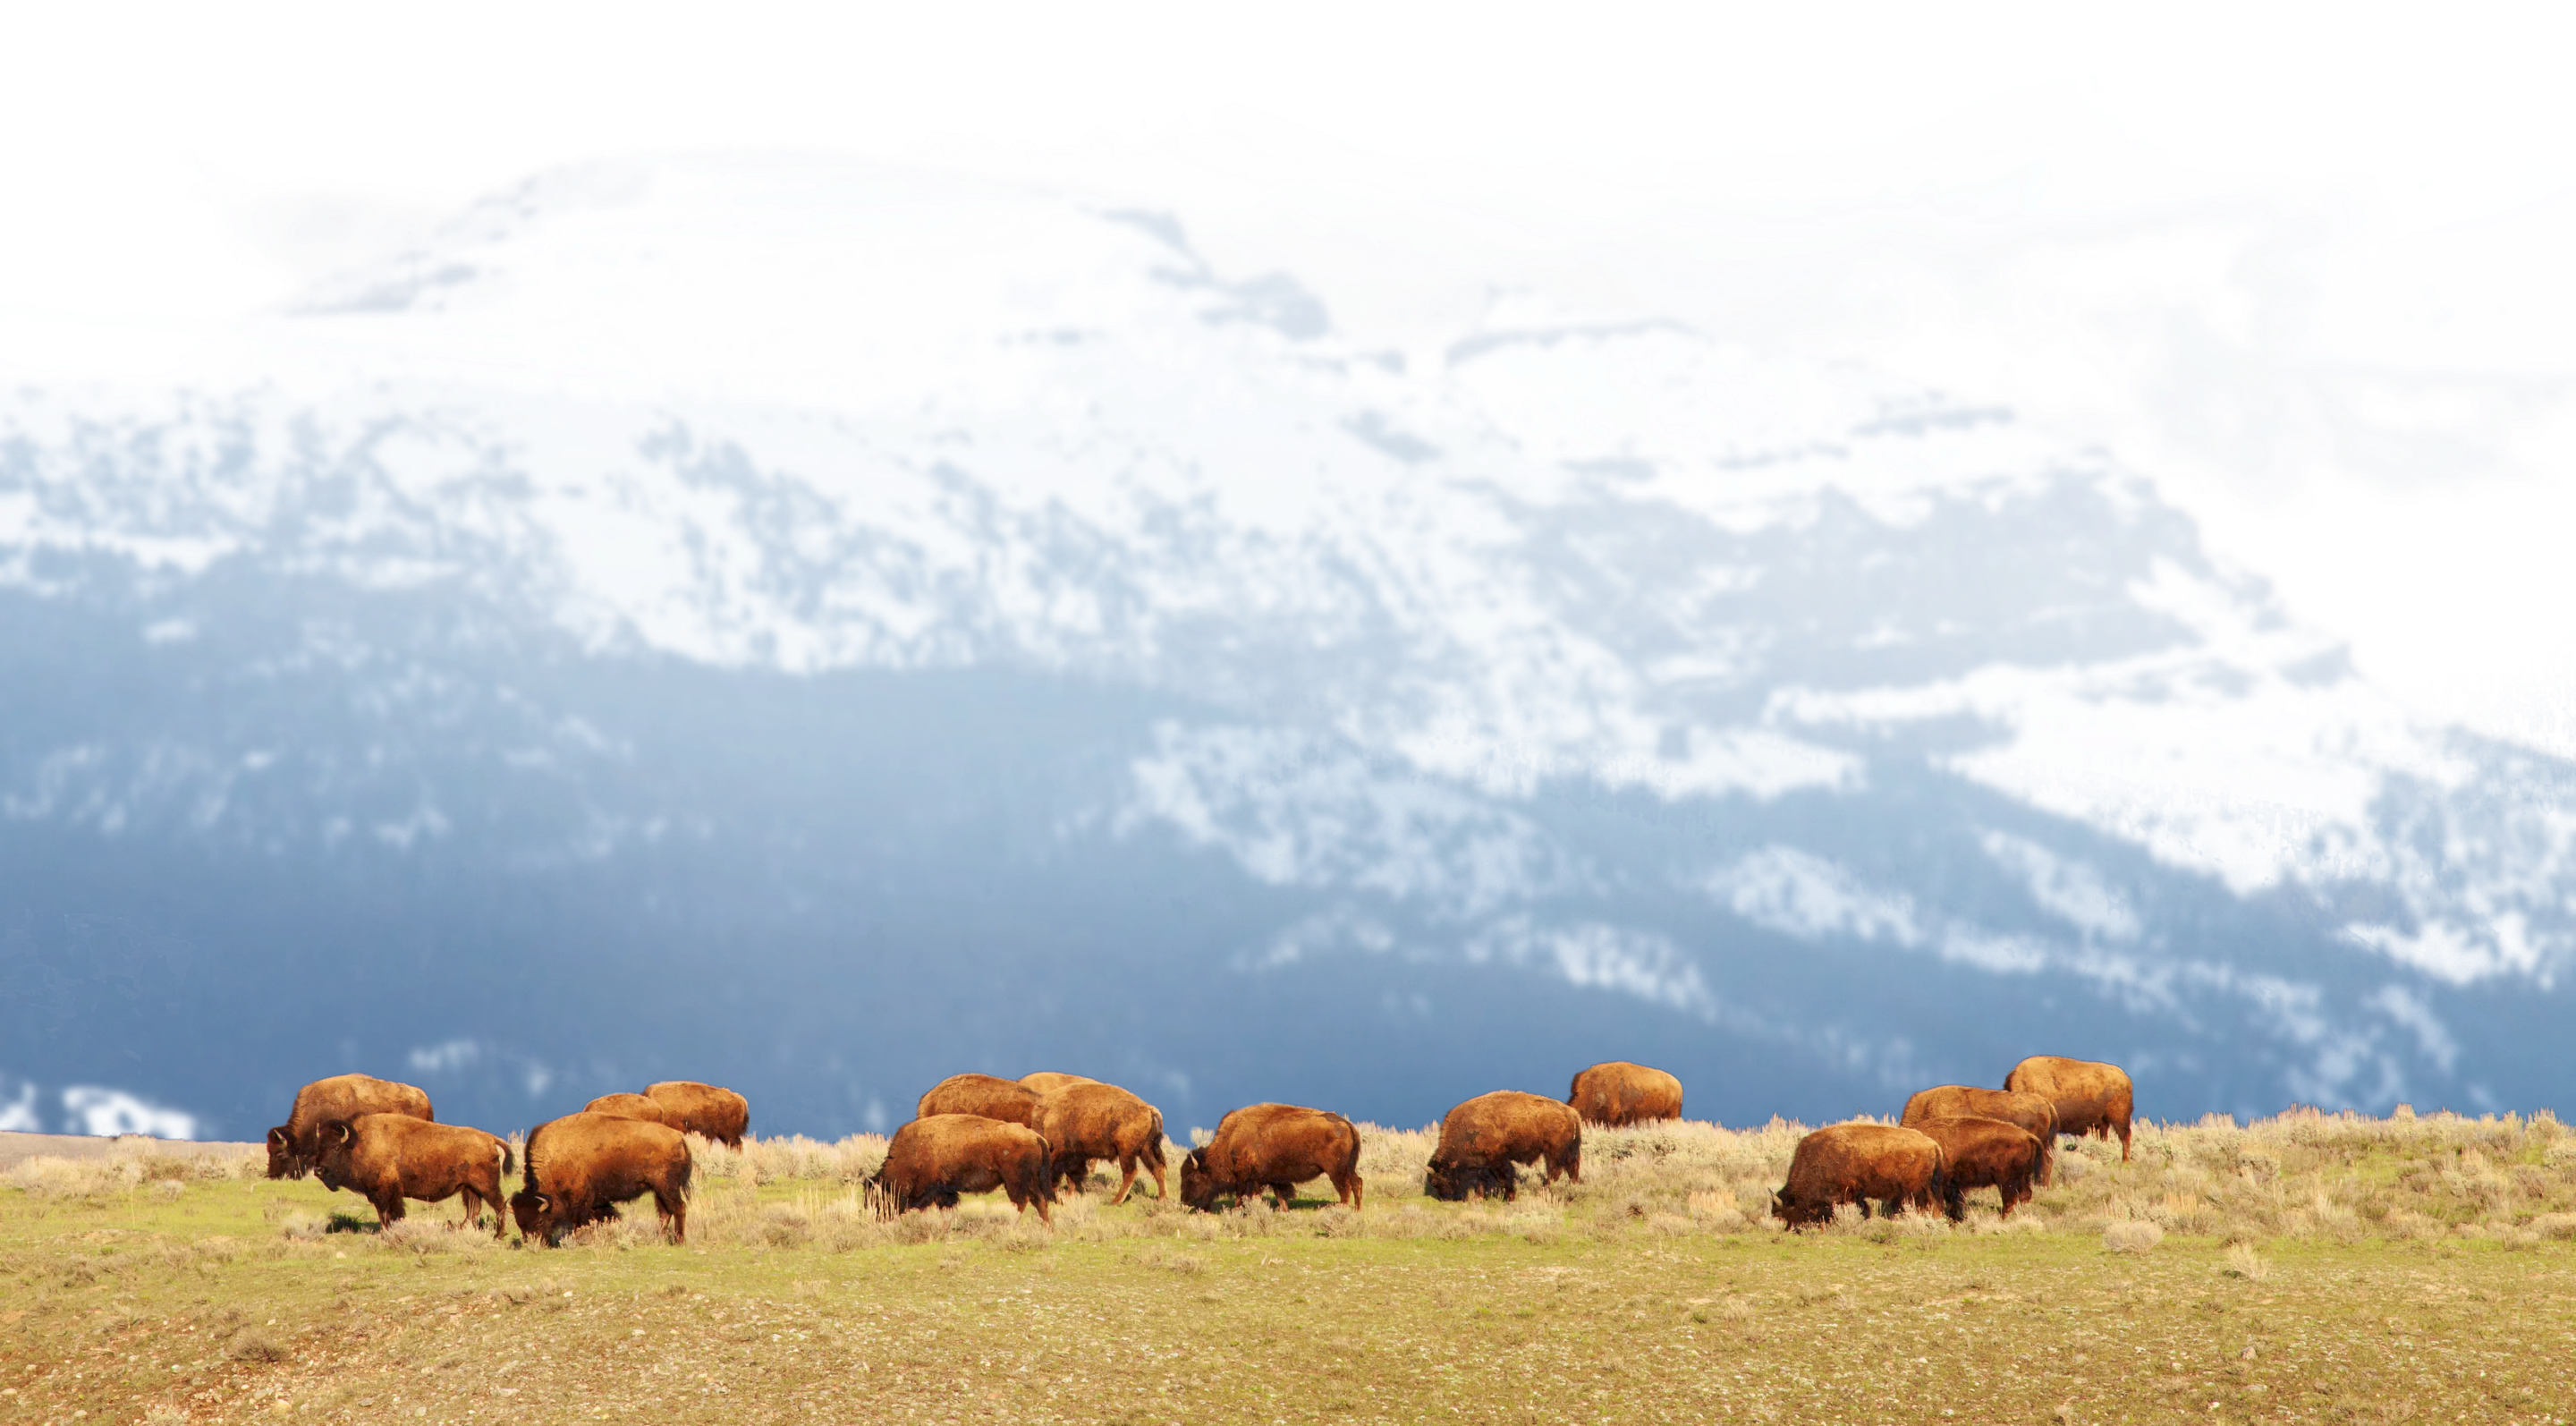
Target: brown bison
[(580, 1167), (2091, 1098), (694, 1108), (1049, 1081), (1618, 1094), (982, 1095), (629, 1106), (1483, 1140), (1273, 1146), (2034, 1114), (386, 1158), (1854, 1163), (1082, 1122), (1977, 1152), (293, 1144), (939, 1156)]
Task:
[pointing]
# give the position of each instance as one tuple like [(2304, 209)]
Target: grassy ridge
[(2304, 1268)]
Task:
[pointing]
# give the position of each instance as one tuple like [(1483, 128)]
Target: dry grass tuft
[(2136, 1235)]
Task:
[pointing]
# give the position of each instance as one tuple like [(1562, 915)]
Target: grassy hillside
[(2304, 1268)]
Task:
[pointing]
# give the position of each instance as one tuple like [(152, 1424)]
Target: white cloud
[(95, 1109), (18, 1115), (2182, 259), (2056, 372), (1938, 354), (91, 349)]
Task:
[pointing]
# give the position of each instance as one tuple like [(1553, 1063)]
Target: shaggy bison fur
[(1088, 1121), (1273, 1146), (936, 1157), (1049, 1081), (629, 1106), (703, 1109), (1854, 1163), (580, 1167), (982, 1095), (2091, 1098), (2032, 1113), (386, 1158), (293, 1144), (1483, 1140), (1977, 1152), (1619, 1093)]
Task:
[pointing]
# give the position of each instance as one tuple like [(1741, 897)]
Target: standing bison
[(2032, 1113), (982, 1095), (2091, 1098), (1977, 1152), (936, 1157), (293, 1145), (703, 1109), (1617, 1094), (1087, 1121), (1049, 1081), (386, 1158), (1483, 1140), (629, 1106), (1854, 1163), (580, 1167), (1273, 1146)]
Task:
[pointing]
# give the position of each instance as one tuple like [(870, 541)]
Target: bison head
[(1198, 1184), (1797, 1213), (1452, 1183), (331, 1153), (535, 1213), (283, 1160)]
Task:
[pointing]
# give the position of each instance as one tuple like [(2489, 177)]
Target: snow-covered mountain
[(821, 628)]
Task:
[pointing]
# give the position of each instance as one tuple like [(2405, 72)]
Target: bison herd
[(1035, 1137)]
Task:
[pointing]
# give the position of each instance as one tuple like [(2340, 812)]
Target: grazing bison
[(939, 1156), (1087, 1121), (580, 1167), (982, 1095), (1977, 1152), (629, 1106), (1483, 1139), (293, 1144), (694, 1108), (1618, 1093), (1049, 1081), (386, 1158), (1273, 1146), (2033, 1113), (1854, 1163), (2091, 1098)]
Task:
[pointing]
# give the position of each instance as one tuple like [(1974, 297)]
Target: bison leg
[(675, 1215), (1955, 1204), (2124, 1140), (1126, 1180), (1346, 1187), (1074, 1173), (389, 1210)]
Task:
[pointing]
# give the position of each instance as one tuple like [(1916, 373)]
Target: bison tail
[(1153, 1154), (509, 1162)]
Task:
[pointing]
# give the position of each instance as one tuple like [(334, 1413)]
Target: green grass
[(1649, 1294)]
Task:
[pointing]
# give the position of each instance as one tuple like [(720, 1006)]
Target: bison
[(939, 1156), (1049, 1081), (386, 1158), (293, 1144), (2091, 1098), (694, 1108), (1617, 1094), (629, 1106), (580, 1167), (1090, 1121), (2033, 1113), (982, 1095), (1273, 1146), (1483, 1140), (1977, 1152), (1854, 1163)]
